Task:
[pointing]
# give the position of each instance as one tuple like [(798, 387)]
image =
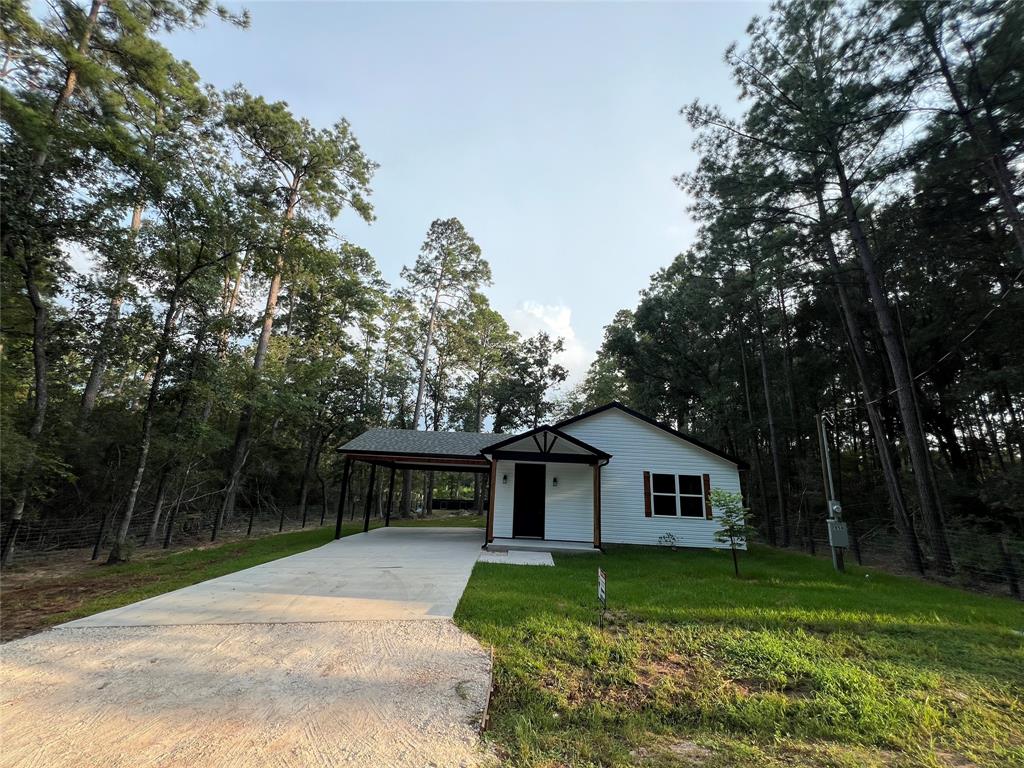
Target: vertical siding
[(503, 499), (568, 509), (637, 446)]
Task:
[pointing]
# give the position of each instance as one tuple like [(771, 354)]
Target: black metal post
[(346, 471), (369, 497), (391, 496)]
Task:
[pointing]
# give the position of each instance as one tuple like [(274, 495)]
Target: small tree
[(733, 523)]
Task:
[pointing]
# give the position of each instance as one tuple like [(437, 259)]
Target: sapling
[(733, 522)]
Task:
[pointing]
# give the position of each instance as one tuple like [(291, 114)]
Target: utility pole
[(838, 537)]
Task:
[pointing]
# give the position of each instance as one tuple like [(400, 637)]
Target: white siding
[(568, 509), (503, 499), (637, 447)]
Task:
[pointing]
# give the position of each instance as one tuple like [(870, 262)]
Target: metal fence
[(983, 559)]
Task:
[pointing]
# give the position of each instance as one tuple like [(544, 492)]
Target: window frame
[(678, 495)]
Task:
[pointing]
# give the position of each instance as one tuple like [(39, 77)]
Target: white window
[(677, 495)]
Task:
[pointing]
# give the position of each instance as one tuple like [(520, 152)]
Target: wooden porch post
[(369, 497), (597, 505), (391, 496), (346, 471), (490, 501)]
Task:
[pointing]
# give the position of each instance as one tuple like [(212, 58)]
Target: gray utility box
[(838, 536)]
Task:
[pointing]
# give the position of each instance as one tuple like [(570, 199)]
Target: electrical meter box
[(838, 536)]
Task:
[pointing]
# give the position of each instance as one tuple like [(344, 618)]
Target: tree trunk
[(107, 332), (228, 303), (119, 553), (39, 317), (428, 500), (323, 493), (312, 458), (169, 528), (161, 492), (768, 527), (406, 505), (854, 336), (240, 451), (931, 508), (66, 92), (996, 167), (772, 436)]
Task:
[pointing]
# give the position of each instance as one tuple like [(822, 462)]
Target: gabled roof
[(546, 449), (663, 427), (413, 442)]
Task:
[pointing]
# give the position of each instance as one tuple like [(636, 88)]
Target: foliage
[(733, 522), (859, 255), (224, 336)]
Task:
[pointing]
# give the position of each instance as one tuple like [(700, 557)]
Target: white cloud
[(556, 319)]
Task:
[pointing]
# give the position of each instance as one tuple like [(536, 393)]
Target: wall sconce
[(554, 481), (504, 479)]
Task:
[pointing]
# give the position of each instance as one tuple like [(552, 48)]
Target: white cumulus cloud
[(556, 319)]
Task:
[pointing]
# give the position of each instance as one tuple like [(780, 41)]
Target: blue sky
[(551, 130)]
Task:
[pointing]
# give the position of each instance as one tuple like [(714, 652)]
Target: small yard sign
[(601, 594)]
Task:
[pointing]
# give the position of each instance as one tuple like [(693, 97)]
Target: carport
[(395, 449)]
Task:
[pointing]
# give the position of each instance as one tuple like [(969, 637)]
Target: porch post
[(346, 471), (490, 501), (369, 497), (597, 505), (391, 496)]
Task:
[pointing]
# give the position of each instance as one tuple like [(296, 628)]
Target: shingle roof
[(415, 442)]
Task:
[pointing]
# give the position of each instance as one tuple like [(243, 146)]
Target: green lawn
[(149, 576), (792, 665)]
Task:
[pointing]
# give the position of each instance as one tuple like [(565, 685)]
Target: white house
[(607, 476)]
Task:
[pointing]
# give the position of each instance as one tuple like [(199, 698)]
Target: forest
[(228, 337), (859, 259)]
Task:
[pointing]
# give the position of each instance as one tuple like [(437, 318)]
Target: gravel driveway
[(341, 656)]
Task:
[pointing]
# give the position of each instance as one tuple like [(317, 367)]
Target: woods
[(187, 332), (858, 257)]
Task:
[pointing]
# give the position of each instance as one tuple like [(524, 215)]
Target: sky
[(552, 131)]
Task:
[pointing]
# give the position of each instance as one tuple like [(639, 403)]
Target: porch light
[(554, 481), (504, 479)]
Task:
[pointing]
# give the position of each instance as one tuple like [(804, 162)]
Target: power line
[(949, 352)]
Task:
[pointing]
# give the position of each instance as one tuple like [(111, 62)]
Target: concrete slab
[(542, 545), (354, 694), (517, 557), (402, 573)]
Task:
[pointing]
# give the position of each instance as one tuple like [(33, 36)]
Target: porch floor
[(540, 545)]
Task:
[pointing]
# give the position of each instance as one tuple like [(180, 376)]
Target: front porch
[(546, 492), (539, 545)]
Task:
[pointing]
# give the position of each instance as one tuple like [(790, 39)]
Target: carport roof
[(411, 444)]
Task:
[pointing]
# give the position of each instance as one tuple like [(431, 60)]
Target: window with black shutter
[(677, 495)]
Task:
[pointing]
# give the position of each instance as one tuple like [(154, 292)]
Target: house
[(610, 475)]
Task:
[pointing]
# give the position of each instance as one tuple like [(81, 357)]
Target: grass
[(40, 601), (790, 665)]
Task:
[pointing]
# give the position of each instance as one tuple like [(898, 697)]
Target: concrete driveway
[(343, 656)]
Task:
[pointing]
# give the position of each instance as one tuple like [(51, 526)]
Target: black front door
[(528, 501)]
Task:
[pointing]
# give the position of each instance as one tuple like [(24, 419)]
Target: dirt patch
[(40, 587), (31, 601)]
